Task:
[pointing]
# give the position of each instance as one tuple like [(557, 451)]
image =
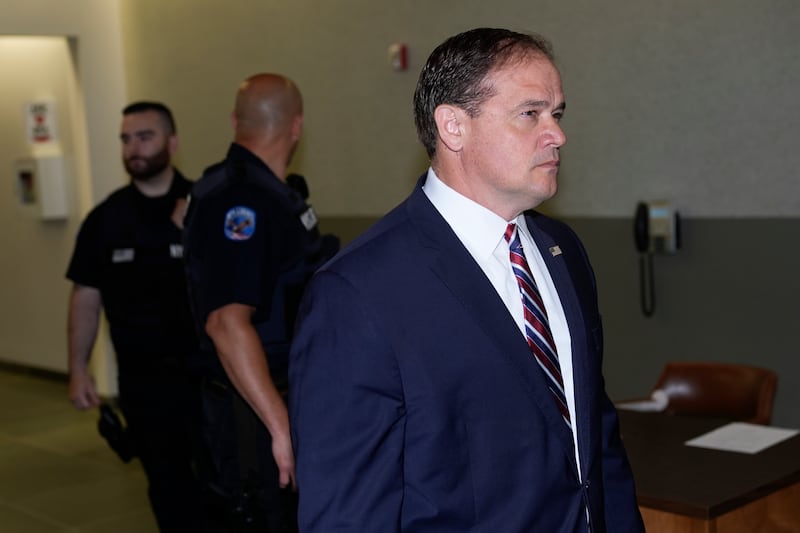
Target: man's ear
[(234, 122), (449, 123), (297, 128), (173, 144)]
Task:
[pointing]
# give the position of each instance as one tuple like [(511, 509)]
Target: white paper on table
[(658, 401), (742, 437)]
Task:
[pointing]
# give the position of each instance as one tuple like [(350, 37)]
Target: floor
[(57, 474)]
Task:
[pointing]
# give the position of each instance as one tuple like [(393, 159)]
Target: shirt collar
[(478, 228)]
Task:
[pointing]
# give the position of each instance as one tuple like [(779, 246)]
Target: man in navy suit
[(419, 399)]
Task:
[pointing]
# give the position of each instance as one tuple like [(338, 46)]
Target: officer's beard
[(142, 168)]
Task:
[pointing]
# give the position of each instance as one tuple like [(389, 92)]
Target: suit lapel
[(456, 268), (559, 256)]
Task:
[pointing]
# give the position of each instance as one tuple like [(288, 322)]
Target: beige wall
[(677, 100), (33, 289), (694, 104), (34, 271), (94, 27)]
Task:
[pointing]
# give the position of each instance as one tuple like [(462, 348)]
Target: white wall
[(94, 25), (33, 306), (35, 249)]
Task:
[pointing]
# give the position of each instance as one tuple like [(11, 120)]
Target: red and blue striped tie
[(537, 328)]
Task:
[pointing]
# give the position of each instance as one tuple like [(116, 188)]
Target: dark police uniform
[(129, 248), (250, 239)]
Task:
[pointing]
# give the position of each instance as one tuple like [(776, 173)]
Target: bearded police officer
[(128, 262)]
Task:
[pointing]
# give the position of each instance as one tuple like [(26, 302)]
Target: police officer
[(127, 261), (252, 243)]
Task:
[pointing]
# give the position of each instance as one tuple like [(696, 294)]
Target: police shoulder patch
[(240, 223)]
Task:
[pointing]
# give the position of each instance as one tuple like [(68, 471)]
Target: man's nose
[(558, 135)]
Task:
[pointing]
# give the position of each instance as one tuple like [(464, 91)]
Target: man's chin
[(545, 189), (144, 173), (142, 176)]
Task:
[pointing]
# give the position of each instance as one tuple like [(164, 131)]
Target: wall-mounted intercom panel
[(42, 180), (656, 228)]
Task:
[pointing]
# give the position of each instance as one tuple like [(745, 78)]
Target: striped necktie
[(537, 327)]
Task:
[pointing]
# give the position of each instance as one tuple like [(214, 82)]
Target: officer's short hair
[(162, 110)]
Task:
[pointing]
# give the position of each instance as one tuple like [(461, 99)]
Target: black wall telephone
[(656, 229), (641, 227)]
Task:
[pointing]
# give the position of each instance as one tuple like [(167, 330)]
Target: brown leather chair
[(739, 392)]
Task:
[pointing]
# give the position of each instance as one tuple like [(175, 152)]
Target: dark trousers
[(241, 468), (162, 412)]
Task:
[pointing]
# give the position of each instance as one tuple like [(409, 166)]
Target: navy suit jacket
[(416, 404)]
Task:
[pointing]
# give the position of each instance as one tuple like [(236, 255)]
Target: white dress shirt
[(481, 231)]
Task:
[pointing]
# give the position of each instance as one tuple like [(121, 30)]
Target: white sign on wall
[(41, 122)]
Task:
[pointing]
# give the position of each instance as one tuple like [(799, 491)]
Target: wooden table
[(687, 489)]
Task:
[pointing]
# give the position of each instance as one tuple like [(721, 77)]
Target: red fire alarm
[(398, 56)]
